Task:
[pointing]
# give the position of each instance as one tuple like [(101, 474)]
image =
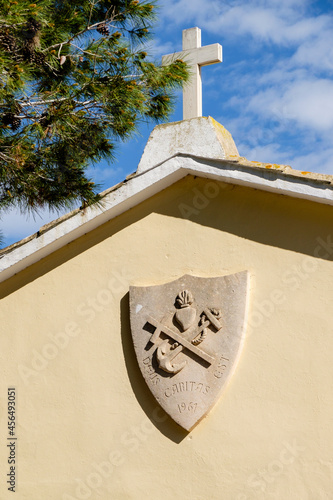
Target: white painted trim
[(143, 186)]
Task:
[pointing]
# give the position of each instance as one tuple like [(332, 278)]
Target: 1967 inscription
[(191, 407)]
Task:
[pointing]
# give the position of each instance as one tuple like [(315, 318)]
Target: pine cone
[(32, 27), (16, 123), (44, 120), (8, 118), (12, 120), (8, 42), (29, 54), (34, 57), (31, 36), (103, 29), (39, 58)]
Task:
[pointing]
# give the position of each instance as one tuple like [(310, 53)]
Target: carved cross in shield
[(188, 336)]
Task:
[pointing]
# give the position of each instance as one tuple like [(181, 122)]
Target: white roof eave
[(144, 185)]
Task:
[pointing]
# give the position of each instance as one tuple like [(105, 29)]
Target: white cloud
[(258, 142), (320, 160), (262, 23), (269, 153), (183, 11), (317, 53), (281, 22), (285, 4), (159, 48), (105, 173), (308, 103), (267, 25), (311, 104)]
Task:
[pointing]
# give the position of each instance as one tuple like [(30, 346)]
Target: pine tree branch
[(93, 4), (6, 158), (44, 102), (78, 34), (96, 55), (83, 51), (4, 25)]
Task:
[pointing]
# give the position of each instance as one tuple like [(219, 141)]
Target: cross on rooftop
[(196, 57)]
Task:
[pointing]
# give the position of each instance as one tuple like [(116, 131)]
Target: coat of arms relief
[(188, 336)]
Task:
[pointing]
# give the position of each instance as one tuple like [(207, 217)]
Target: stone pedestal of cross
[(196, 57)]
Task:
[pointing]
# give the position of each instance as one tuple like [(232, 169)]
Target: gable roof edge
[(142, 186)]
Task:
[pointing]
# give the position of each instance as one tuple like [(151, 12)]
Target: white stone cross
[(196, 57)]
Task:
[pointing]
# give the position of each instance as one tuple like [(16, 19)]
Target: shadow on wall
[(143, 395)]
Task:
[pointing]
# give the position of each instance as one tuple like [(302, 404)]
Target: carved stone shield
[(188, 336)]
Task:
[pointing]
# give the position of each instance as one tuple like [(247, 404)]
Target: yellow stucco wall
[(87, 424)]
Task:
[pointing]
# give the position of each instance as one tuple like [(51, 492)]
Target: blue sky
[(273, 91)]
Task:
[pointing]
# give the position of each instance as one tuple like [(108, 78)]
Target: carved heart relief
[(185, 317)]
